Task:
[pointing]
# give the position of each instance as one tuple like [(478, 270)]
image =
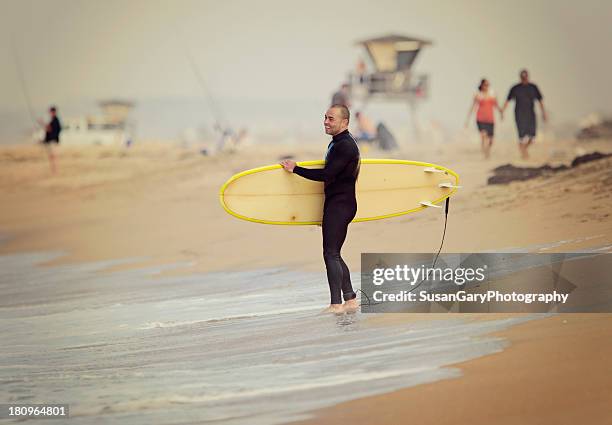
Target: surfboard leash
[(446, 206)]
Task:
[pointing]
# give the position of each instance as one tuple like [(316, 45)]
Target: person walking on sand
[(485, 101), (524, 94), (341, 97), (51, 140), (342, 163)]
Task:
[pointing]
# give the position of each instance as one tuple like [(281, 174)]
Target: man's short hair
[(52, 108), (344, 111)]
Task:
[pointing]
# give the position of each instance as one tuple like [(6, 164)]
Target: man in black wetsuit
[(52, 134), (524, 95), (339, 175)]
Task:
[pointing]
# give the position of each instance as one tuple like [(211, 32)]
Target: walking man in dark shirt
[(51, 140), (524, 94), (339, 175)]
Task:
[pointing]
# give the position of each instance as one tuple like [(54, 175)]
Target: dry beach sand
[(162, 203), (159, 205)]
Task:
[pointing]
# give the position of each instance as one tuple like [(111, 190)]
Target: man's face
[(52, 113), (524, 76), (334, 123)]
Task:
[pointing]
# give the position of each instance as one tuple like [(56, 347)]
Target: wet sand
[(128, 347), (555, 371)]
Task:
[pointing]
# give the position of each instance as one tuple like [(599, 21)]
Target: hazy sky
[(298, 51)]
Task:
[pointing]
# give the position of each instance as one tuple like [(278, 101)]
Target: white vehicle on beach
[(110, 128), (83, 131)]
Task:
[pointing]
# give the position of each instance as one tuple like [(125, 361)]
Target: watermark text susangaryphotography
[(487, 282)]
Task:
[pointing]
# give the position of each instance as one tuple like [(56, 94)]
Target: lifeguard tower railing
[(400, 85)]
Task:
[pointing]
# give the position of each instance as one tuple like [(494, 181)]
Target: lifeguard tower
[(390, 76), (116, 111)]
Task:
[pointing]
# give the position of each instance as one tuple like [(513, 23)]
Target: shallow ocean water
[(133, 347)]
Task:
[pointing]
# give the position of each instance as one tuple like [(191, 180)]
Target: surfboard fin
[(449, 185), (429, 204), (434, 170)]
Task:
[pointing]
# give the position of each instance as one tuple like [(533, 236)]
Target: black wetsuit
[(340, 175), (52, 135), (524, 96)]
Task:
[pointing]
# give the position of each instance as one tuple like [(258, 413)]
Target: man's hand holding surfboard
[(288, 165)]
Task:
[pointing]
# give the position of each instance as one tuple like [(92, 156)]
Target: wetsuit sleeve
[(309, 173), (339, 157)]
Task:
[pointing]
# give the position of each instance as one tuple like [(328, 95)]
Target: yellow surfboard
[(385, 188)]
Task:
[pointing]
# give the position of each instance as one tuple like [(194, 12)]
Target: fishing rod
[(22, 82), (218, 116), (216, 111)]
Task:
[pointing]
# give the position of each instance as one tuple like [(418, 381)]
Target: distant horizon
[(294, 57), (296, 120)]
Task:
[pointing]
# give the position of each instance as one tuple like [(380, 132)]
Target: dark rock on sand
[(508, 173)]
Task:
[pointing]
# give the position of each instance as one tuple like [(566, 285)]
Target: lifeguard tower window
[(405, 59)]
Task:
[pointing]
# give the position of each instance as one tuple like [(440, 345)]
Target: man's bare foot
[(334, 308), (351, 306)]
